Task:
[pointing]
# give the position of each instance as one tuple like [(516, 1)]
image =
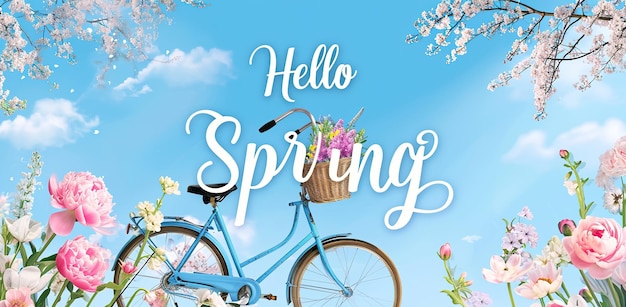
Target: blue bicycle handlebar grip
[(267, 126)]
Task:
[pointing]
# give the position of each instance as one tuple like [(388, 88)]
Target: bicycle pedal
[(269, 297)]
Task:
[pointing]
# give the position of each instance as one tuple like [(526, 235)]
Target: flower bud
[(586, 294), (568, 176), (566, 226), (564, 153), (445, 251), (128, 267)]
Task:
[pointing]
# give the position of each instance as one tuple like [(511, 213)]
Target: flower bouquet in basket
[(593, 249), (328, 137)]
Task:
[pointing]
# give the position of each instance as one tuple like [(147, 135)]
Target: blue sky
[(491, 151)]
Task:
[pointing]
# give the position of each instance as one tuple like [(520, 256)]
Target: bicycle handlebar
[(270, 124)]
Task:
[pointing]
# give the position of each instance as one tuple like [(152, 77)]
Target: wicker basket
[(322, 189)]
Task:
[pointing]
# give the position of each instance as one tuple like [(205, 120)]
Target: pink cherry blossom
[(596, 245), (573, 31), (506, 271), (17, 297), (85, 199), (83, 263)]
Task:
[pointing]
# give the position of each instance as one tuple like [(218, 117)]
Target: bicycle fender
[(311, 247), (188, 226)]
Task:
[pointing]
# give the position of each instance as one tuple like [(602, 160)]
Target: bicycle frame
[(233, 284)]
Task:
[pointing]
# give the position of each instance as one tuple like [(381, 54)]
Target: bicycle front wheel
[(176, 241), (366, 270)]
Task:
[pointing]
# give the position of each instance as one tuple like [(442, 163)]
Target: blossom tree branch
[(121, 29), (545, 39)]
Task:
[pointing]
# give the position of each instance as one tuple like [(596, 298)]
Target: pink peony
[(506, 271), (596, 245), (18, 297), (83, 263), (85, 199), (613, 161)]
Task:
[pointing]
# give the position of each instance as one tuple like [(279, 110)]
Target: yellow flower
[(311, 152)]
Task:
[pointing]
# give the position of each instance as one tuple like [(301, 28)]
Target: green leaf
[(41, 301), (109, 285), (50, 258), (454, 297)]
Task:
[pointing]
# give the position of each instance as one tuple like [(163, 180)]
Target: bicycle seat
[(206, 196)]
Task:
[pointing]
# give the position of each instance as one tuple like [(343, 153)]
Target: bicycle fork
[(347, 292)]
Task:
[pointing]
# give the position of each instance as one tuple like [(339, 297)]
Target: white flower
[(553, 252), (209, 298), (169, 186), (157, 259), (57, 283), (613, 198), (29, 277), (5, 260), (571, 186), (154, 263), (24, 229)]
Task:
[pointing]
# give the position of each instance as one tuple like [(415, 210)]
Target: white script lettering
[(323, 58)]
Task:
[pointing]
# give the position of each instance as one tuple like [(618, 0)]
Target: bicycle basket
[(322, 189)]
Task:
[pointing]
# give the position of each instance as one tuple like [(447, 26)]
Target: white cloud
[(586, 141), (178, 68), (54, 122), (244, 235), (471, 238)]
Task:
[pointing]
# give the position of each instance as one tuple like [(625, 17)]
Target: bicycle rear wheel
[(365, 269), (206, 258)]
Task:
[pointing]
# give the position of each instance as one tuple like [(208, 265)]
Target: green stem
[(58, 298), (45, 244), (623, 203), (91, 299), (508, 285), (17, 248), (565, 289), (593, 294), (454, 288), (543, 304), (580, 192), (618, 303), (550, 296), (561, 296), (132, 297)]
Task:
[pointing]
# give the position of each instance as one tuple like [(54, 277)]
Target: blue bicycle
[(332, 270)]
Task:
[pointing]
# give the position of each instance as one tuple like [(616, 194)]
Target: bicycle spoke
[(367, 273), (176, 242)]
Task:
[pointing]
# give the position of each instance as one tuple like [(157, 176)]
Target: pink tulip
[(85, 199), (445, 251), (128, 267), (563, 153), (156, 298), (83, 263)]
